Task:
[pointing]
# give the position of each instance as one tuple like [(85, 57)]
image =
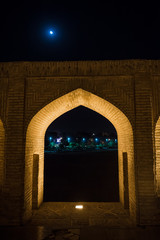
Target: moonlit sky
[(83, 30), (89, 30)]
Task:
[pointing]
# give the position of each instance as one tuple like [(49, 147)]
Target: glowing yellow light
[(79, 206)]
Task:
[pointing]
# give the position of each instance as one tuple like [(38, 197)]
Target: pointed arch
[(157, 159), (34, 152), (2, 137)]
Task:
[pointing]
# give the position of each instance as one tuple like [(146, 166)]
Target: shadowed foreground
[(97, 221), (88, 233)]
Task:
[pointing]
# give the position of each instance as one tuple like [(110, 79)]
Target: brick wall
[(2, 136), (156, 132), (126, 92), (157, 160), (14, 151)]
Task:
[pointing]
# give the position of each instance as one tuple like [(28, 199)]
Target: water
[(81, 176)]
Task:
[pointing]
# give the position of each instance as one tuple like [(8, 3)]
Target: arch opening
[(34, 155), (2, 136), (157, 157), (81, 157)]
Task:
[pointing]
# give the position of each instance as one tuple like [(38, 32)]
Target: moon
[(51, 32)]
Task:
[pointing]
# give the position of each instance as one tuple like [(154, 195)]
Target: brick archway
[(2, 136), (34, 152), (157, 157)]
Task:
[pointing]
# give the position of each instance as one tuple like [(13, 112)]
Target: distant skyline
[(84, 30), (81, 119)]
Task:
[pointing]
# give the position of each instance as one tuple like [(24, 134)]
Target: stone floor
[(65, 215), (84, 233), (96, 221)]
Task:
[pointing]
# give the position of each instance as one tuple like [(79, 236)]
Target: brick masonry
[(126, 92)]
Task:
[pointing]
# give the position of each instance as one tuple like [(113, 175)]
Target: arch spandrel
[(74, 99)]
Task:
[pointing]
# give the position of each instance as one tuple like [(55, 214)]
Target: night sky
[(81, 119), (83, 30), (88, 30)]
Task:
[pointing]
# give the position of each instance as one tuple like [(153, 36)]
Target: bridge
[(34, 94)]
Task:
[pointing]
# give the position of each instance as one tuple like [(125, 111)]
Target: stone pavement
[(64, 215), (96, 221), (85, 233)]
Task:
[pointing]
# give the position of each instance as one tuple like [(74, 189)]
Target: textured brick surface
[(33, 94), (2, 137)]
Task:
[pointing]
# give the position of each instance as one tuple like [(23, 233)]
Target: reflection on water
[(84, 176)]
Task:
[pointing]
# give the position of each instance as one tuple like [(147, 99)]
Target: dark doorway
[(81, 158)]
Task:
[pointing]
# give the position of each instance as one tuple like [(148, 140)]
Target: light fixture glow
[(59, 140), (79, 206)]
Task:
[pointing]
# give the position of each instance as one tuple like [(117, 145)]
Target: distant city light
[(79, 206), (80, 143), (59, 140), (108, 139)]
